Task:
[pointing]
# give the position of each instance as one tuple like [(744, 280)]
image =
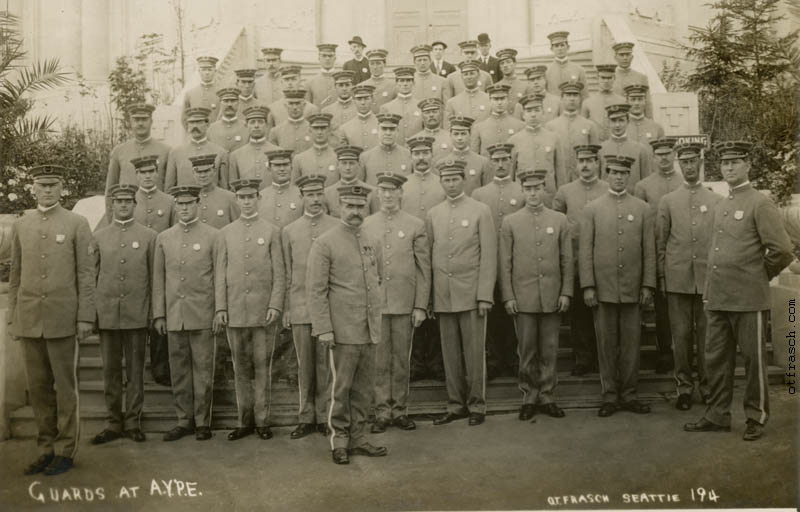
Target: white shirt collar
[(143, 141), (618, 194), (454, 199), (199, 141), (258, 141), (246, 217), (123, 222), (190, 222), (148, 190), (45, 209)]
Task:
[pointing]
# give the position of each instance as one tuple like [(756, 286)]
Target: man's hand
[(645, 296), (563, 304), (287, 323), (220, 321), (326, 340), (662, 286), (272, 315), (511, 307), (590, 297), (417, 317), (84, 330), (484, 307), (160, 325)]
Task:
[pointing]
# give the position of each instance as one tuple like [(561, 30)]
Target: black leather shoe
[(58, 465), (369, 450), (202, 433), (177, 433), (753, 431), (135, 434), (607, 409), (552, 410), (447, 418), (302, 430), (264, 433), (340, 456), (239, 433), (635, 406), (323, 429), (526, 412), (579, 370), (41, 463), (380, 426), (106, 436), (684, 402), (703, 425), (476, 418), (404, 423)]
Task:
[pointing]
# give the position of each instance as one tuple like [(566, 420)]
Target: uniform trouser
[(313, 376), (113, 345), (663, 331), (53, 363), (538, 354), (464, 351), (688, 327), (353, 371), (582, 335), (159, 355), (724, 330), (393, 357), (251, 349), (501, 335), (191, 362), (619, 335)]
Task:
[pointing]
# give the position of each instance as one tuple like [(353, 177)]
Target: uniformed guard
[(251, 259), (230, 130), (571, 199), (478, 170), (250, 161), (294, 133), (342, 108), (499, 126), (618, 275), (427, 84), (503, 196), (537, 85), (570, 127), (217, 206), (472, 101), (389, 156), (349, 169), (594, 107), (279, 109), (179, 167), (187, 293), (246, 83), (120, 169), (404, 105), (625, 75), (640, 127), (455, 81), (50, 302), (538, 148), (204, 95), (422, 191), (314, 372), (320, 158), (464, 260), (269, 86), (362, 130), (385, 88), (438, 65), (650, 190), (405, 295), (749, 246), (517, 88), (561, 69), (620, 144), (432, 110), (536, 283), (123, 255), (280, 202), (344, 297), (321, 89), (683, 235)]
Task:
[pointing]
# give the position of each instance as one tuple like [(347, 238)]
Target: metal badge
[(160, 213), (549, 230), (511, 131), (292, 206), (738, 214), (135, 244), (196, 247), (60, 238), (331, 167), (220, 213), (465, 223), (400, 234), (630, 217), (260, 241), (472, 172), (514, 203), (703, 208)]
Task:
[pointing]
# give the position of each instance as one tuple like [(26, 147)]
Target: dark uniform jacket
[(120, 168)]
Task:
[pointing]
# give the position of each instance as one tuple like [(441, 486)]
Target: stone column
[(94, 25)]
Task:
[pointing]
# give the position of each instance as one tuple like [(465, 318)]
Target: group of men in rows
[(501, 223)]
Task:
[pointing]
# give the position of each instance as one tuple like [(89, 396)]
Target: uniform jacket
[(558, 72), (594, 109), (657, 185), (463, 254), (218, 207), (316, 160), (474, 104), (430, 85), (421, 193), (155, 209), (441, 141), (571, 199), (380, 159), (478, 171), (617, 248), (361, 131), (519, 88), (626, 77), (280, 205), (342, 111), (536, 259), (244, 103), (406, 260), (343, 286), (360, 68), (571, 131), (502, 196), (540, 149), (640, 168), (683, 235), (385, 90), (292, 134), (231, 135), (51, 283), (120, 168), (279, 114), (749, 246), (332, 198), (455, 82), (123, 256), (495, 129), (250, 161), (186, 290), (179, 167), (551, 107), (296, 239), (269, 87), (203, 95), (645, 130), (250, 258), (321, 87), (411, 122)]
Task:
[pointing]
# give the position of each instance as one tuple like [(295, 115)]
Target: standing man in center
[(405, 299), (464, 260)]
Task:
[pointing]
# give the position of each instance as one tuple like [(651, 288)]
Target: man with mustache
[(179, 167), (432, 110), (269, 86), (250, 161), (358, 65), (230, 130), (344, 295)]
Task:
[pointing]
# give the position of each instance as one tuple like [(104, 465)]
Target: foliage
[(746, 80), (673, 77), (128, 86)]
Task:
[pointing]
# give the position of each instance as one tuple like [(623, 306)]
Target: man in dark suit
[(485, 61), (359, 64), (438, 65)]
